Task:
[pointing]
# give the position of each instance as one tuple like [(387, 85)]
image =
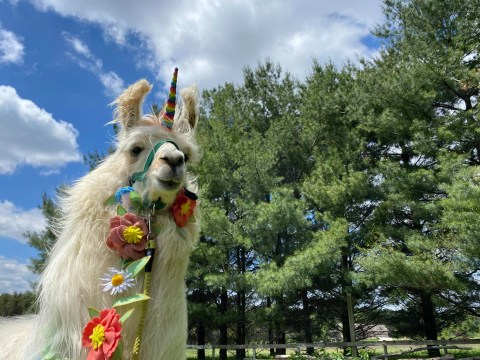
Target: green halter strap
[(140, 176)]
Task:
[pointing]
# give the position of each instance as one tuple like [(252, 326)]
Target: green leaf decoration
[(121, 210), (93, 312), (117, 355), (137, 266), (126, 316), (135, 199), (111, 200), (124, 263), (130, 300)]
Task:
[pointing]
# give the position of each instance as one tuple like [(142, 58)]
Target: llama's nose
[(174, 159)]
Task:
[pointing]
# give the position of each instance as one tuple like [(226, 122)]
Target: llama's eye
[(136, 151)]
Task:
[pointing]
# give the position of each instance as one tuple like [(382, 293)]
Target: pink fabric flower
[(102, 335), (128, 236)]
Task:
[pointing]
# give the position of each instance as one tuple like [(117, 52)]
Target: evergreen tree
[(214, 258), (417, 102), (17, 304), (43, 241), (339, 198), (246, 136)]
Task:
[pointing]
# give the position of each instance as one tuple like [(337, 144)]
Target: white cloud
[(11, 48), (14, 276), (112, 83), (14, 221), (31, 136), (211, 41), (78, 45), (115, 34)]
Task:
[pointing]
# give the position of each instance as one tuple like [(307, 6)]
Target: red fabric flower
[(102, 335), (182, 209), (128, 236)]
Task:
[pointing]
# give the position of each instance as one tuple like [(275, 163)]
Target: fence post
[(213, 351), (254, 352), (444, 343), (385, 352)]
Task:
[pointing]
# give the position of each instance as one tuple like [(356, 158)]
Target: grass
[(460, 354), (336, 354), (192, 354), (457, 353)]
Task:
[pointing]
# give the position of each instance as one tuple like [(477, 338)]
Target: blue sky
[(63, 62)]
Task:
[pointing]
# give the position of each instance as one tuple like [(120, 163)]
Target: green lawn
[(336, 354)]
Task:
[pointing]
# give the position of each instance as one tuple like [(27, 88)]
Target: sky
[(62, 62)]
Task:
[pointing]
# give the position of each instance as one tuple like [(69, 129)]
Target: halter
[(140, 176)]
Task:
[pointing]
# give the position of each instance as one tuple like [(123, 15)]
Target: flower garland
[(130, 236), (102, 335)]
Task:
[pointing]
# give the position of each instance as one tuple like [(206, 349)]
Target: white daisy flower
[(117, 281)]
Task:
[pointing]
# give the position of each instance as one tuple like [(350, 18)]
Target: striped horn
[(169, 114)]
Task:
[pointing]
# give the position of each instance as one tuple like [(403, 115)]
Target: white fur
[(70, 283)]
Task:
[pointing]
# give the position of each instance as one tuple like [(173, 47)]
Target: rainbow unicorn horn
[(169, 114)]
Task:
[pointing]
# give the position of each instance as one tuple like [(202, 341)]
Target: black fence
[(415, 346)]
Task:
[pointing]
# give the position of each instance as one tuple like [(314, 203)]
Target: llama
[(70, 283)]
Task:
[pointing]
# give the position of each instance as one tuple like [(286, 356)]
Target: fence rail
[(442, 344)]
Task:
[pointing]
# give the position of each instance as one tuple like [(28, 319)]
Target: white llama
[(70, 283)]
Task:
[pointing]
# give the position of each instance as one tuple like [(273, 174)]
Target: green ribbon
[(140, 176)]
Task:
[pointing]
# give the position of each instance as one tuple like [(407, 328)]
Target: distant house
[(379, 332), (335, 335)]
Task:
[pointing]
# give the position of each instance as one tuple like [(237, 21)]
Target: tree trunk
[(224, 326), (201, 340), (307, 322), (345, 323), (343, 301), (241, 336), (281, 339), (241, 307), (428, 314), (200, 298), (346, 265), (270, 329), (280, 327), (270, 339)]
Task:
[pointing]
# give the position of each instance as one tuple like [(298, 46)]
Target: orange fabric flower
[(102, 335), (128, 236), (182, 209)]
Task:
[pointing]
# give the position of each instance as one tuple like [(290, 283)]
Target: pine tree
[(214, 259), (249, 136), (418, 106), (43, 241), (338, 199)]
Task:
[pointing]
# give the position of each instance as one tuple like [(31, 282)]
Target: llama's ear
[(189, 114), (129, 104)]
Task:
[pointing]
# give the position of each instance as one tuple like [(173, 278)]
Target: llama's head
[(154, 150)]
